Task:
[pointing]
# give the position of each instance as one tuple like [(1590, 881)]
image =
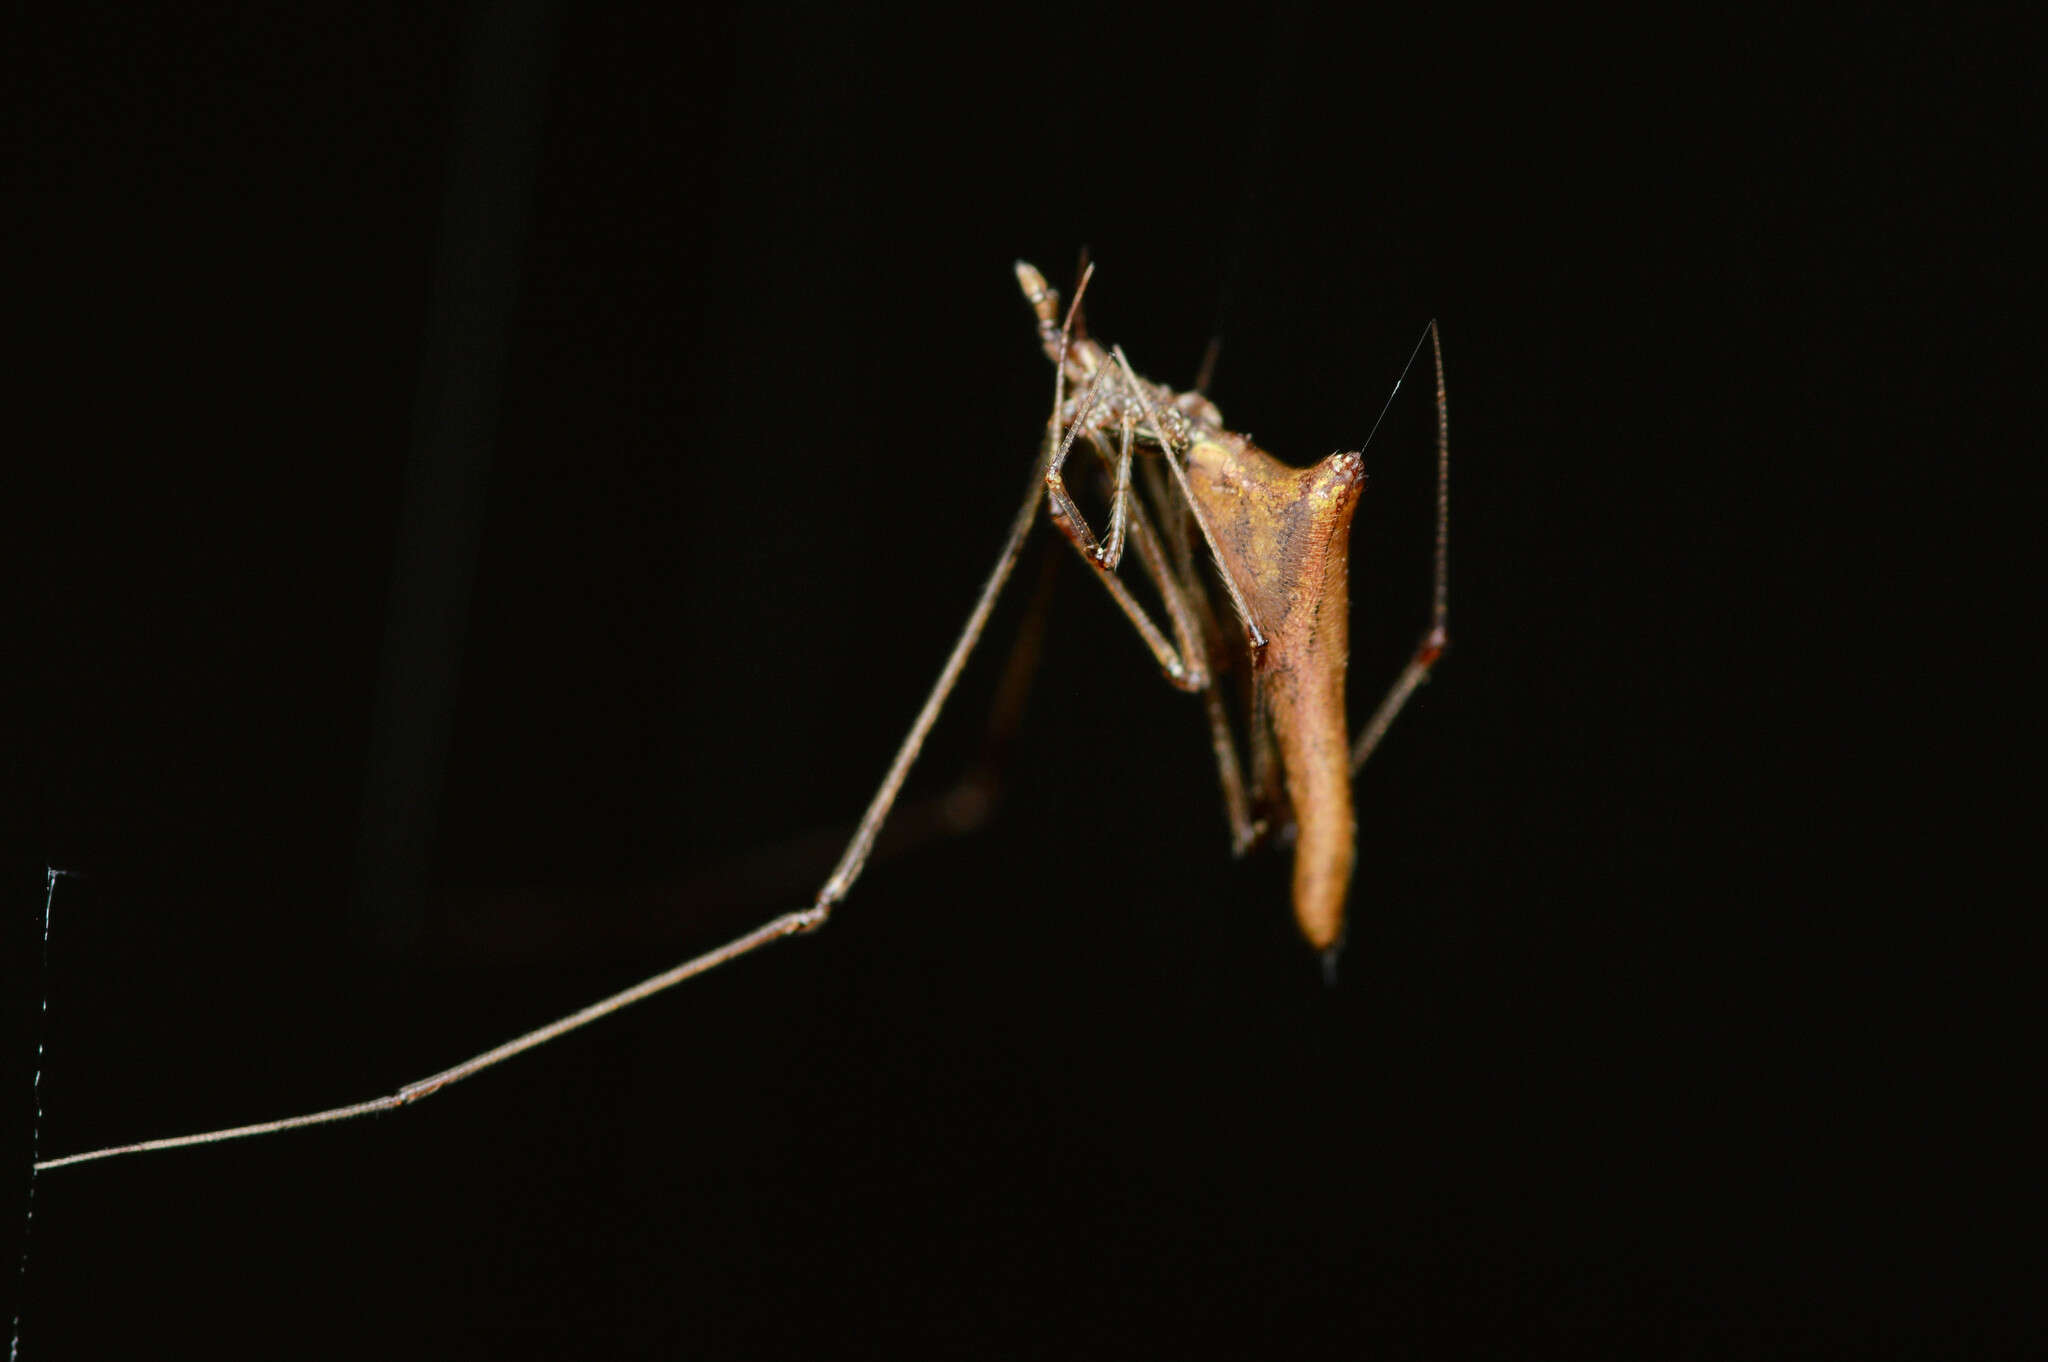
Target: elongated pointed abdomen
[(1285, 535)]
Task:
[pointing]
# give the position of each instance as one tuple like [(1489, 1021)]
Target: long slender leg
[(1179, 672), (1193, 624), (856, 855), (1175, 577), (1245, 831), (1119, 502), (835, 888), (972, 797), (1179, 544), (1437, 637), (850, 864), (1180, 583), (1183, 663), (1183, 667), (1175, 592), (802, 920), (1066, 516), (969, 801), (1166, 450)]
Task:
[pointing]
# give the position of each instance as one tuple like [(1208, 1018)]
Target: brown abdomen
[(1285, 535)]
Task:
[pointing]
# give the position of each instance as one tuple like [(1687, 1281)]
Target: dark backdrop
[(494, 490)]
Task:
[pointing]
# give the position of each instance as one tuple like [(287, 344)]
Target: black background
[(1671, 1022)]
